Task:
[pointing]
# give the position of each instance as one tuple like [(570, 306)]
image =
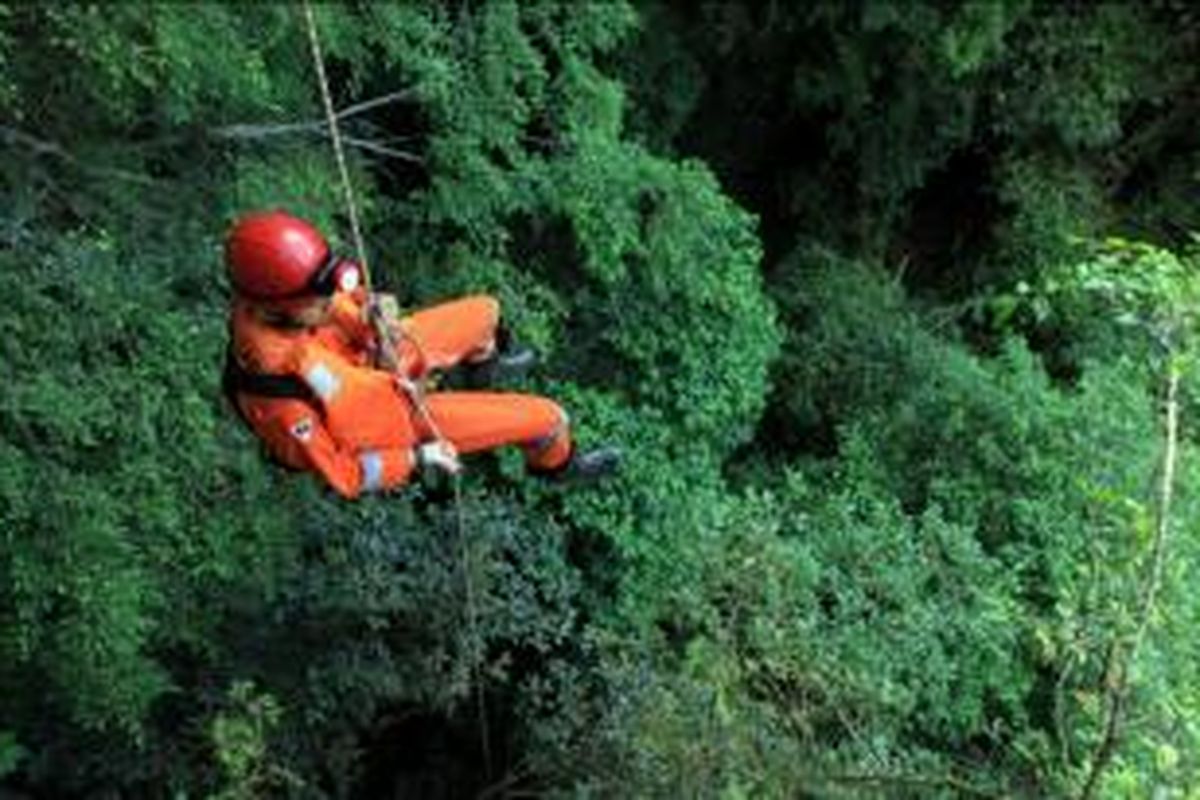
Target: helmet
[(273, 256)]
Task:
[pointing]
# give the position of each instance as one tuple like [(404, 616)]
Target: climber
[(306, 369)]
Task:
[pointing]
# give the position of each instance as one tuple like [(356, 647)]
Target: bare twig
[(252, 130), (886, 780), (503, 786), (256, 131), (259, 130), (375, 147), (375, 102), (43, 147)]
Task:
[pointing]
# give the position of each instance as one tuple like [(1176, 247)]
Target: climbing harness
[(385, 332), (236, 379)]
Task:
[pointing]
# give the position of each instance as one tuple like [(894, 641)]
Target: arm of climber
[(351, 311), (349, 314), (302, 439), (359, 442)]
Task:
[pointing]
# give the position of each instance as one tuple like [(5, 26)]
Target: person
[(310, 372)]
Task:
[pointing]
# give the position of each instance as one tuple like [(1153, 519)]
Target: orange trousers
[(443, 336)]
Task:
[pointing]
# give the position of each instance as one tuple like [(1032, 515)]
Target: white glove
[(439, 455)]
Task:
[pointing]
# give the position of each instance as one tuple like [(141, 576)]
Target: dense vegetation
[(891, 305)]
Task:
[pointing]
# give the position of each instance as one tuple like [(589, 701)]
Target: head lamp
[(335, 274)]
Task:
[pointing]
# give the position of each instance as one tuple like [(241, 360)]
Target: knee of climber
[(480, 309), (484, 311), (551, 449), (489, 308)]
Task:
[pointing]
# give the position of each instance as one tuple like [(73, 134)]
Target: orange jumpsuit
[(360, 430)]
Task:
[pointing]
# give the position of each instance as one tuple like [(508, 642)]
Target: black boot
[(510, 361), (593, 465)]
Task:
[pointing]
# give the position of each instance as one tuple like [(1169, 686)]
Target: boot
[(593, 465), (510, 361)]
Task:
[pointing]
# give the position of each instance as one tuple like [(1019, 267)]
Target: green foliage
[(968, 138), (1073, 76), (931, 609), (1141, 285), (847, 555), (1053, 206), (112, 458), (239, 743), (1050, 488), (11, 753), (657, 238), (178, 67), (1110, 299)]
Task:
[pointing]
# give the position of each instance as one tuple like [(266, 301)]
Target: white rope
[(331, 116), (414, 391), (335, 136)]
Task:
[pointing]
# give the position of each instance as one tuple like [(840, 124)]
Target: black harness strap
[(236, 379)]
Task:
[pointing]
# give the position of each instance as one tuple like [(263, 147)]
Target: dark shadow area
[(950, 225)]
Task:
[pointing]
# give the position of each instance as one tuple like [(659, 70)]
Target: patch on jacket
[(303, 429)]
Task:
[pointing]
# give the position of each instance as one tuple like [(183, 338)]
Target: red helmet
[(273, 256)]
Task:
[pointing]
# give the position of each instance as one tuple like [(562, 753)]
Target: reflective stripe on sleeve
[(371, 463), (322, 381)]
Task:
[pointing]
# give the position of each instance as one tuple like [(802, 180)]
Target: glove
[(439, 455)]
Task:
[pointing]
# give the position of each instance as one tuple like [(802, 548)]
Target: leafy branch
[(1122, 661), (1156, 292)]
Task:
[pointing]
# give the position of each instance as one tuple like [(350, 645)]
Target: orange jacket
[(361, 436)]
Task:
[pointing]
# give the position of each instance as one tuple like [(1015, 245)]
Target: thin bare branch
[(375, 102), (258, 130), (250, 130), (884, 781), (375, 147), (44, 147), (253, 131)]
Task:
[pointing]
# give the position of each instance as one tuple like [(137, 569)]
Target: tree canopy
[(891, 306)]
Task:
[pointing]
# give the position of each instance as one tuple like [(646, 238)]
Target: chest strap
[(236, 379)]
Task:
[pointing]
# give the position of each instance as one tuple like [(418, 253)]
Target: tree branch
[(1118, 681), (374, 102), (375, 147), (885, 780), (43, 147), (254, 130)]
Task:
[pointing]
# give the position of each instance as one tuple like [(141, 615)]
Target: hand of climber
[(440, 455)]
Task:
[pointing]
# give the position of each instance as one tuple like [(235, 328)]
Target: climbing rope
[(384, 333), (335, 135), (382, 329)]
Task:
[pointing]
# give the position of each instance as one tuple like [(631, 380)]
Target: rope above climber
[(332, 379)]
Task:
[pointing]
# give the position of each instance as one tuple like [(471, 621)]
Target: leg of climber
[(451, 332), (475, 421), (467, 332), (508, 360)]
